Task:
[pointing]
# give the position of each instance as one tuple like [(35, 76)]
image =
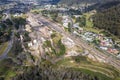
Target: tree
[(108, 20)]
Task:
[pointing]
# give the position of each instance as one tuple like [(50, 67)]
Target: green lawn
[(89, 23), (91, 29)]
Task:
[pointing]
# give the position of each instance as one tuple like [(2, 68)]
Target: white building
[(30, 44)]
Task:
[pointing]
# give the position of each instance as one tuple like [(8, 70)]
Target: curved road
[(10, 43), (4, 55)]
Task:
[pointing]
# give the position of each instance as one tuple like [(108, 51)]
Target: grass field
[(6, 69), (104, 71), (89, 23), (91, 29), (3, 46)]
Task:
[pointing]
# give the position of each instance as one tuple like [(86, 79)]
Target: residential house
[(113, 50)]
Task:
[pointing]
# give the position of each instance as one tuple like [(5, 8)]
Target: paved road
[(4, 55), (10, 43), (103, 56)]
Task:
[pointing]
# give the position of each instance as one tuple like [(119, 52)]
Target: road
[(109, 59), (10, 43), (4, 55)]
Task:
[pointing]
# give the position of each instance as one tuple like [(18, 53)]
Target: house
[(65, 25), (113, 50), (17, 15), (118, 56), (89, 36), (76, 25), (66, 21), (30, 44), (103, 48), (80, 30), (100, 37), (35, 41), (90, 39), (77, 16), (75, 32), (48, 6), (106, 42)]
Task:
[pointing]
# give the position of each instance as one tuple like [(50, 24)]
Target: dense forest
[(109, 19), (102, 6), (5, 31), (71, 2)]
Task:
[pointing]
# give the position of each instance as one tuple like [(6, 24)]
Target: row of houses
[(6, 6), (102, 42)]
